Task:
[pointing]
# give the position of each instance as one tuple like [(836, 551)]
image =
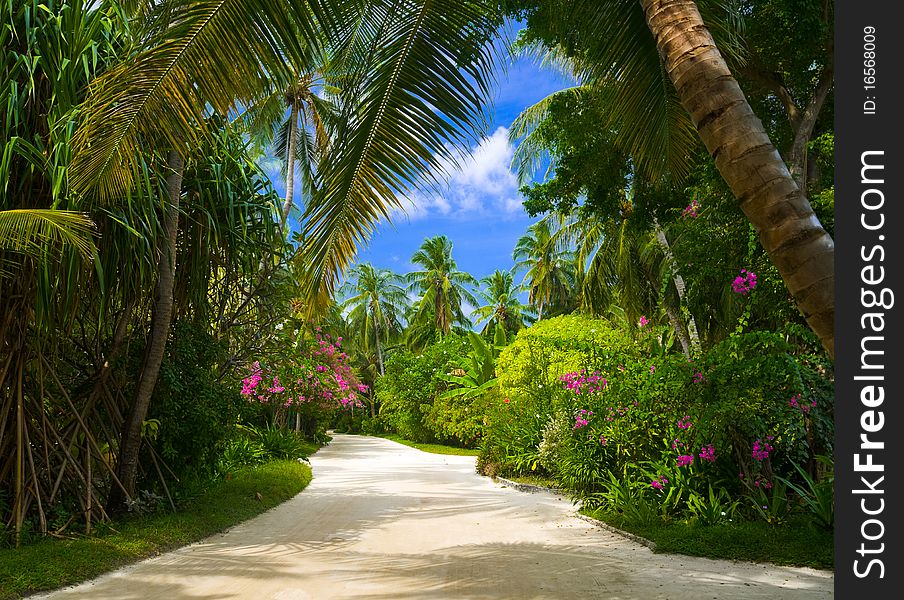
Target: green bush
[(407, 391), (196, 411), (580, 401)]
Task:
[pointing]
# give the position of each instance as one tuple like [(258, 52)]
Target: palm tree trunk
[(788, 229), (379, 350), (130, 443), (290, 169), (679, 286)]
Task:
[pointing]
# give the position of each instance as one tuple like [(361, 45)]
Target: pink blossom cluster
[(691, 210), (319, 374), (684, 460), (582, 382), (602, 440), (744, 283), (707, 453), (762, 448), (685, 422), (698, 377), (582, 418), (798, 403), (643, 321), (760, 481), (659, 483)]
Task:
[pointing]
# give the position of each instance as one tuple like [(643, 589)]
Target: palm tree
[(377, 301), (441, 285), (550, 270), (209, 55), (301, 139), (502, 304), (613, 39)]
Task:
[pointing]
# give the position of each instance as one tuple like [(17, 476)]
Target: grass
[(54, 563), (795, 543), (431, 448)]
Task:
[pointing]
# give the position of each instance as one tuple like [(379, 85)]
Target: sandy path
[(384, 521)]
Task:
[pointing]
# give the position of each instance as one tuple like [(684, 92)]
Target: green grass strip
[(54, 563), (795, 543), (432, 448)]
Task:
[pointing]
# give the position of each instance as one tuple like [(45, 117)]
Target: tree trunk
[(679, 286), (788, 229), (379, 350), (797, 156), (130, 443), (290, 170)]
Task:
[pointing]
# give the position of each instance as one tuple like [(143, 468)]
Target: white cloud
[(480, 184)]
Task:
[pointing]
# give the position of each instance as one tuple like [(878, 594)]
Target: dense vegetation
[(660, 345)]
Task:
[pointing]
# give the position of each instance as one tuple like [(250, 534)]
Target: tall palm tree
[(550, 273), (377, 301), (442, 287), (613, 39), (502, 305), (300, 139), (213, 56)]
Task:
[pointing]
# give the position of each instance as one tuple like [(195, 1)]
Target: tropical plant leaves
[(421, 74)]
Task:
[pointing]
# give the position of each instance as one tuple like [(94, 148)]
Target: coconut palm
[(630, 45), (441, 286), (550, 274), (502, 305), (377, 301), (300, 139)]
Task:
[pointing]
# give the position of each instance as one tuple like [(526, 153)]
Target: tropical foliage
[(165, 317)]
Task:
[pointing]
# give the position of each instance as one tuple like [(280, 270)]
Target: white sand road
[(384, 521)]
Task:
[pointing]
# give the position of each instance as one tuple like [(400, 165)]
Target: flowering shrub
[(744, 283), (310, 382)]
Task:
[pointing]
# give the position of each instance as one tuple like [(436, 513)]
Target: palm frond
[(425, 75), (161, 95), (35, 231), (530, 150)]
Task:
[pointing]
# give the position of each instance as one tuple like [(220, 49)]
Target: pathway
[(385, 521)]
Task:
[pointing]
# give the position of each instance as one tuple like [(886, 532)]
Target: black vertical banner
[(869, 250)]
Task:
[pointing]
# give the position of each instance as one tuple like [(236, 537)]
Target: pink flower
[(762, 449), (643, 321), (708, 453), (744, 283), (685, 460), (690, 210)]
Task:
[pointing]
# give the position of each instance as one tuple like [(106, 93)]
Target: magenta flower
[(707, 453), (761, 449), (685, 460), (691, 210), (643, 321), (744, 283), (799, 404)]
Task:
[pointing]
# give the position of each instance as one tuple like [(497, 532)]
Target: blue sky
[(480, 211)]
